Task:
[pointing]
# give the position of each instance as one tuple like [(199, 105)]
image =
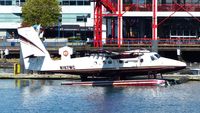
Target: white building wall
[(10, 9), (82, 10), (79, 10), (6, 24)]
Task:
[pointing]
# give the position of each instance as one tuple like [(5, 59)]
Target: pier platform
[(177, 77), (145, 82)]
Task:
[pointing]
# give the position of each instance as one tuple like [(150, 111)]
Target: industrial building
[(77, 17), (115, 21)]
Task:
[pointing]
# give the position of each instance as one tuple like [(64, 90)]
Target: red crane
[(115, 9), (110, 6)]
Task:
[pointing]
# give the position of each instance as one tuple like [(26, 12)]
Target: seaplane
[(95, 64)]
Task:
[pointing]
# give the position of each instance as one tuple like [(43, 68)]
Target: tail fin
[(32, 48), (31, 45)]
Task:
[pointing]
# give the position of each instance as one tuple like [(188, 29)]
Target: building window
[(75, 2), (20, 2), (10, 17), (79, 18), (86, 2), (82, 18), (79, 2), (65, 3), (5, 2), (73, 17), (72, 2), (1, 2)]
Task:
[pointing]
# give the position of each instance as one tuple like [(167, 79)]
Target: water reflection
[(113, 96), (35, 84), (49, 96)]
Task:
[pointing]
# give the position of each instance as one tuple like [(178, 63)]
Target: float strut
[(161, 75), (154, 76)]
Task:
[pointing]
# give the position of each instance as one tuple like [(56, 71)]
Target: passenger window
[(109, 62), (157, 56), (152, 58), (120, 61), (141, 60)]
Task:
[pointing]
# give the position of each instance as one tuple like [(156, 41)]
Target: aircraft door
[(116, 63), (140, 61)]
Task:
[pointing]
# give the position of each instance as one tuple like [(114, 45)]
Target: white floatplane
[(101, 63)]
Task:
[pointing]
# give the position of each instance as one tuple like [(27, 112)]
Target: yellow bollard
[(16, 68)]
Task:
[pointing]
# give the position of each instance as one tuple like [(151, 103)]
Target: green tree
[(44, 12)]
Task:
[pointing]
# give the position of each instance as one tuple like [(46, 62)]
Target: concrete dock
[(68, 76), (177, 76), (37, 76)]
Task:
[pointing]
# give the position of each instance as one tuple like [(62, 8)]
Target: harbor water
[(49, 96)]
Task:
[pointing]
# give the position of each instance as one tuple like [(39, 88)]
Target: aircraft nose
[(177, 65), (173, 62), (182, 64)]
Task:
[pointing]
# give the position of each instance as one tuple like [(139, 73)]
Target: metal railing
[(173, 42), (161, 7), (137, 7), (164, 41), (175, 7)]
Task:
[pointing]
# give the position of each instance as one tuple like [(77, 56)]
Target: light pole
[(85, 20), (59, 20)]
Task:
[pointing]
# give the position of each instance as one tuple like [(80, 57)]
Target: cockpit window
[(141, 60), (121, 61), (157, 56), (152, 58)]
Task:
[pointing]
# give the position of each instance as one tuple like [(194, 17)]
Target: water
[(39, 96)]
